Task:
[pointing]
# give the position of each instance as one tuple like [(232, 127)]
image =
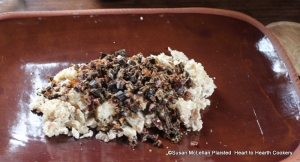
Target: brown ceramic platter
[(254, 108)]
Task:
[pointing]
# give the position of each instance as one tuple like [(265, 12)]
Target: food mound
[(118, 95)]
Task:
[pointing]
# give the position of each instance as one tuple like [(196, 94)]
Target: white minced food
[(71, 117), (203, 87)]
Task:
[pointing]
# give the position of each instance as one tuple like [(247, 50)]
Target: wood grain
[(288, 34)]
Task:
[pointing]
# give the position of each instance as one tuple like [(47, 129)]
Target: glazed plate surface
[(254, 108)]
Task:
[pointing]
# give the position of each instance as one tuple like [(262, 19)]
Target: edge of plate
[(221, 12)]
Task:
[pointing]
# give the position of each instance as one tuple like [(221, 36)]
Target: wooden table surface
[(265, 11)]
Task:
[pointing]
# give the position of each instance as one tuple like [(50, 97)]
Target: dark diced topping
[(152, 60), (120, 95), (76, 67), (123, 81), (121, 52), (48, 89), (93, 84), (43, 91), (179, 68), (110, 74), (95, 92), (181, 91), (120, 84), (132, 141), (77, 88), (50, 78), (131, 62), (103, 55), (157, 143)]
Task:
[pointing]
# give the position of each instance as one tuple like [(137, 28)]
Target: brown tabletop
[(265, 11)]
